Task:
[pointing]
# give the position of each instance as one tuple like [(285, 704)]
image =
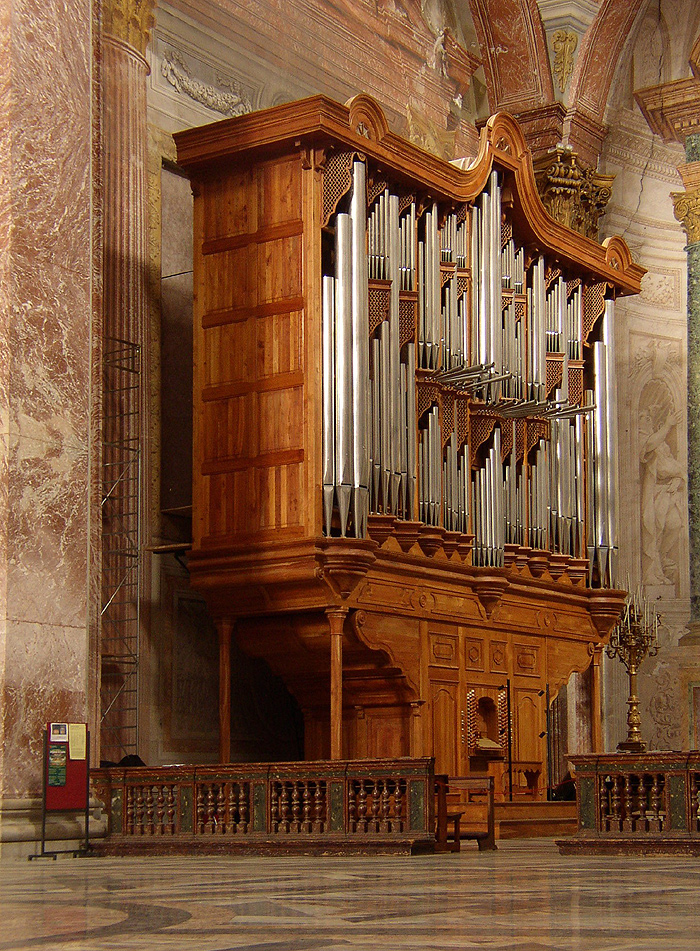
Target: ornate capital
[(130, 21), (572, 194), (686, 208)]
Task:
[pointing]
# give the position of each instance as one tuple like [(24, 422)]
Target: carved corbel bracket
[(686, 208), (605, 606), (343, 563), (490, 591)]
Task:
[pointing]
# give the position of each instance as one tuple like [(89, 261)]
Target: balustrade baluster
[(274, 806), (605, 810), (130, 810), (628, 817), (170, 808), (140, 808), (376, 805), (362, 808), (211, 809), (232, 818), (243, 812), (284, 808), (654, 803), (399, 794), (306, 825), (642, 823), (319, 812), (352, 806), (160, 810), (615, 816), (296, 808), (150, 826), (220, 817), (200, 809), (384, 824)]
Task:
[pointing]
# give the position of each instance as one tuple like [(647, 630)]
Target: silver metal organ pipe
[(343, 369), (411, 425), (385, 409), (611, 429), (376, 424), (360, 350), (394, 343), (601, 467), (328, 400), (495, 331)]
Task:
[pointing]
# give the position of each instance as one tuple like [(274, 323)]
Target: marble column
[(50, 383), (686, 206), (672, 110), (126, 26)]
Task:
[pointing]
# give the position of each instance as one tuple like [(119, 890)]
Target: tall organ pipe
[(328, 400), (343, 369), (360, 350)]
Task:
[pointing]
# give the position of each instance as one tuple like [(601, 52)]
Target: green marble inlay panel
[(692, 148), (586, 793), (416, 805), (185, 811), (117, 814), (335, 805), (259, 807), (677, 819)]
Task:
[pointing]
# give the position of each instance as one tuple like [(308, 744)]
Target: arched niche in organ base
[(441, 452)]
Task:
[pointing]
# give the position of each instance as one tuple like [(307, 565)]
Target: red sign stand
[(66, 781)]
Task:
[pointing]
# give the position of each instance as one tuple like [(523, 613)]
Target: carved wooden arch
[(518, 72), (367, 118)]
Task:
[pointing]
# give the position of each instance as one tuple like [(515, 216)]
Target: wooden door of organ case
[(404, 410)]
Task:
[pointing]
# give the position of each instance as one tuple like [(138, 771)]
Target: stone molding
[(686, 208), (130, 21), (227, 102), (672, 109)]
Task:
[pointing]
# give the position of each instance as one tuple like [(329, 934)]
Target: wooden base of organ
[(394, 643)]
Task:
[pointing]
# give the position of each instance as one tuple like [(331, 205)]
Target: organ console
[(404, 428)]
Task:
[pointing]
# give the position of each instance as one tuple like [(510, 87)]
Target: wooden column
[(225, 629), (596, 703), (336, 618)]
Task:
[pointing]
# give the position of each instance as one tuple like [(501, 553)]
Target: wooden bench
[(468, 798)]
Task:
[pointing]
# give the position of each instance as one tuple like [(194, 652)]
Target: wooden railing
[(383, 805), (637, 802)]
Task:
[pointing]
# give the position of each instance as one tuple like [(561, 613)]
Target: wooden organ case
[(404, 432)]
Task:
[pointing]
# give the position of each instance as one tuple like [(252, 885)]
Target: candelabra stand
[(634, 637)]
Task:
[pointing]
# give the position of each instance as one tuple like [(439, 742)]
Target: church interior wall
[(207, 62)]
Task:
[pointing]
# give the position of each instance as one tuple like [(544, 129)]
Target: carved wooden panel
[(473, 654), (526, 659), (498, 656)]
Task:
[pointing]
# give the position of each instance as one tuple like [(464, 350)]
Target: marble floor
[(525, 896)]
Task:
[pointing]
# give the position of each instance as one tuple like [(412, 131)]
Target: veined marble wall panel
[(47, 291), (206, 64), (650, 336)]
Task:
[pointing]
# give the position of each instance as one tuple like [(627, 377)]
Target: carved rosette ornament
[(573, 195), (686, 208), (130, 21)]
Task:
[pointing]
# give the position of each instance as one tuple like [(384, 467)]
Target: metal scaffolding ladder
[(121, 549)]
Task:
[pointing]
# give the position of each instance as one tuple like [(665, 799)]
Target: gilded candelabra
[(634, 637)]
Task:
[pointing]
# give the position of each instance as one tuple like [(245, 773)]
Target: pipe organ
[(405, 426)]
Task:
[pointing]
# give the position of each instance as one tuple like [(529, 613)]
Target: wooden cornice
[(321, 123)]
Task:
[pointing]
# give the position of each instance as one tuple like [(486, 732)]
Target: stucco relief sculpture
[(663, 479)]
